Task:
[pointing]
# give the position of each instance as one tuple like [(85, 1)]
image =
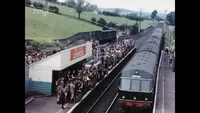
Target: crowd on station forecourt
[(33, 54), (73, 84)]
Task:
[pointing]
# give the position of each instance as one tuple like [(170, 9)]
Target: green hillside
[(54, 26), (88, 15)]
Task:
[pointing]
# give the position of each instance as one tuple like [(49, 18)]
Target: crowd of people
[(73, 84), (33, 54)]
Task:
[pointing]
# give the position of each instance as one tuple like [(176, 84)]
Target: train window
[(145, 85), (125, 84), (135, 84)]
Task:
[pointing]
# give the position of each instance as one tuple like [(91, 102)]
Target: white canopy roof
[(63, 59)]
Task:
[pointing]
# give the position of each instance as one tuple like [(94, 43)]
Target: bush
[(53, 9), (27, 3), (56, 9), (93, 20), (41, 44), (111, 24), (71, 3), (141, 30), (107, 13), (35, 4), (102, 21), (38, 5)]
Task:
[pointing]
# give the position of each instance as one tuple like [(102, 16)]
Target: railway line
[(139, 39), (106, 102)]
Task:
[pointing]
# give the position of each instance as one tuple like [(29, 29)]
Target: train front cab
[(132, 101), (129, 104)]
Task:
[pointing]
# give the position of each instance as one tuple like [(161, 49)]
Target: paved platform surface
[(46, 105), (166, 88)]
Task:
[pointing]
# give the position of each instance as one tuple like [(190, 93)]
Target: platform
[(46, 105), (165, 100)]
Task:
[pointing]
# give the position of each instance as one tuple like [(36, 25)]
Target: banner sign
[(77, 52)]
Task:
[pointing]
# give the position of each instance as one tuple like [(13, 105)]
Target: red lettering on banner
[(77, 52)]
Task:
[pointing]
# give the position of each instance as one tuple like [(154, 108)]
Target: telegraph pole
[(164, 19), (140, 17), (46, 5), (126, 27)]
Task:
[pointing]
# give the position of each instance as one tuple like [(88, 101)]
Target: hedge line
[(41, 6)]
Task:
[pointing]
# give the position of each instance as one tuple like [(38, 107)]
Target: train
[(138, 78), (105, 36)]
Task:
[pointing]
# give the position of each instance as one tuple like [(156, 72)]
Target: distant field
[(88, 15), (54, 26)]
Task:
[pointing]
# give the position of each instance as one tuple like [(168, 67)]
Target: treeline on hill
[(41, 6), (122, 27), (134, 17), (110, 13), (171, 18), (72, 4)]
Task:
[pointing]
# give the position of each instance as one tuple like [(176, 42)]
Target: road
[(166, 88)]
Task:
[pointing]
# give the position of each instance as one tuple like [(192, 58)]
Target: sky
[(135, 5)]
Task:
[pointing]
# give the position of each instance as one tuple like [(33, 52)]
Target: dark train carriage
[(157, 33), (151, 47), (138, 80), (154, 40), (134, 31), (105, 36)]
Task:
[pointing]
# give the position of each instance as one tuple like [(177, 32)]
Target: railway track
[(106, 102)]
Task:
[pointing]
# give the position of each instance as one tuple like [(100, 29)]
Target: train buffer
[(165, 94)]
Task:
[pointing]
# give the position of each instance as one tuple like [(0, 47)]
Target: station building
[(43, 73)]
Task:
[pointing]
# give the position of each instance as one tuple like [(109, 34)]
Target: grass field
[(88, 15), (54, 26)]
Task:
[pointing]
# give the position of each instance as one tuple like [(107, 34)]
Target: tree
[(102, 21), (154, 14), (122, 27), (92, 7), (171, 18), (117, 11), (71, 3), (111, 24), (157, 18), (132, 16), (81, 5), (27, 3), (52, 0), (93, 20)]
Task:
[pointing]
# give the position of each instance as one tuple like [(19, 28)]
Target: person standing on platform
[(59, 89), (170, 59), (72, 88), (62, 99)]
